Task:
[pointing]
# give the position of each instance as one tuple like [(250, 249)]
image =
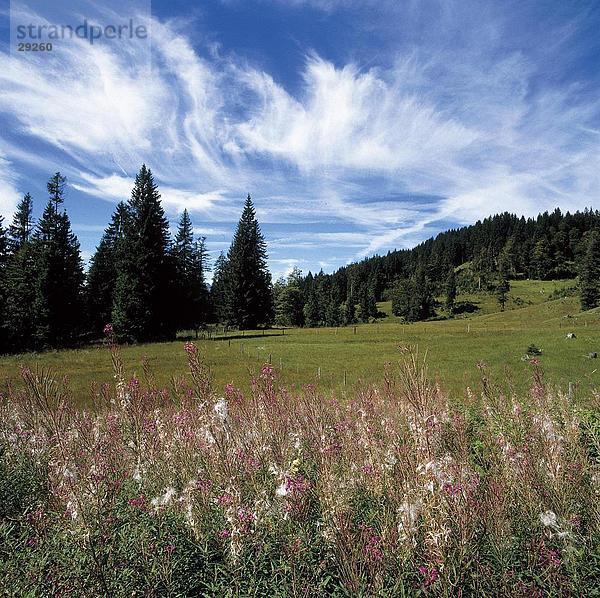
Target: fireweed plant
[(393, 491)]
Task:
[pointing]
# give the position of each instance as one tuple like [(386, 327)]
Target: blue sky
[(357, 126)]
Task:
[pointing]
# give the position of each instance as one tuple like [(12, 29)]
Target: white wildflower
[(408, 514), (165, 499), (282, 490), (221, 409), (72, 510), (548, 519)]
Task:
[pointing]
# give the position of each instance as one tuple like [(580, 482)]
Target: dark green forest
[(144, 285)]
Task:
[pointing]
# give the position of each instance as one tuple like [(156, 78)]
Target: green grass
[(454, 347)]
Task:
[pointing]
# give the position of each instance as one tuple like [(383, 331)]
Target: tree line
[(480, 258), (148, 285), (142, 282)]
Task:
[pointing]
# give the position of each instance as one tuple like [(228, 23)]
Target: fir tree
[(289, 303), (219, 292), (311, 310), (190, 288), (589, 273), (56, 189), (412, 298), (249, 293), (368, 304), (451, 291), (58, 300), (142, 309), (20, 230), (502, 290), (349, 311), (104, 267), (21, 286)]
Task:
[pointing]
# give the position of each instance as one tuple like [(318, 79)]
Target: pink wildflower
[(430, 575), (138, 501), (225, 500)]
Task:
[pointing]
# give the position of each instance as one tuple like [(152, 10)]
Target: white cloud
[(9, 196), (470, 126)]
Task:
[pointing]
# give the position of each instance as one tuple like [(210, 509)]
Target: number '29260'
[(34, 47)]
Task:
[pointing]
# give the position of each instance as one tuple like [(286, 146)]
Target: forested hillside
[(147, 285)]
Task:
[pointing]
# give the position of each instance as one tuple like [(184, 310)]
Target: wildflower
[(550, 558), (430, 575), (224, 534), (108, 330), (368, 470), (190, 349), (408, 514), (72, 510), (267, 370), (165, 499), (221, 409), (225, 500), (548, 519), (203, 486), (282, 489), (138, 501)]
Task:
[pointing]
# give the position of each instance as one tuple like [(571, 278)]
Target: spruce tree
[(104, 267), (58, 302), (450, 291), (21, 287), (368, 304), (349, 311), (249, 291), (142, 308), (311, 310), (589, 272), (190, 288), (21, 228), (219, 292), (502, 290)]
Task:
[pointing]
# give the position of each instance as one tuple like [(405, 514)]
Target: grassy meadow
[(185, 483), (344, 357)]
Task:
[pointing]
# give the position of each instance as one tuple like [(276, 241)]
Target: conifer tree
[(190, 288), (289, 304), (142, 309), (349, 311), (451, 291), (311, 310), (368, 304), (58, 303), (589, 273), (20, 230), (219, 292), (104, 267), (502, 290), (249, 290), (21, 287)]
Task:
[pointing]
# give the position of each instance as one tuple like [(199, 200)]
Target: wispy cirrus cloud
[(381, 148)]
